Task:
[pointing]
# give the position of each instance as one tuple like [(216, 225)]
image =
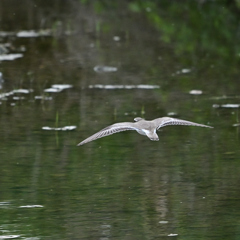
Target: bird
[(142, 126)]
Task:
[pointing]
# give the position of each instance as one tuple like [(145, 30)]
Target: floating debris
[(33, 33), (236, 125), (141, 86), (66, 128), (196, 92), (10, 57), (31, 206), (105, 69), (226, 105)]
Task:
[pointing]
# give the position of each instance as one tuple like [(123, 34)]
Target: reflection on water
[(140, 86), (106, 63)]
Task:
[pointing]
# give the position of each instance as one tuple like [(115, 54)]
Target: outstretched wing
[(166, 121), (115, 128)]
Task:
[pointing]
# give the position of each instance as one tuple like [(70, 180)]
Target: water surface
[(115, 62)]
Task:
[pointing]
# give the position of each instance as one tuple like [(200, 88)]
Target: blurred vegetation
[(200, 28), (196, 26)]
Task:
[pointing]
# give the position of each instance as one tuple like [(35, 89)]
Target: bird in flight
[(142, 126)]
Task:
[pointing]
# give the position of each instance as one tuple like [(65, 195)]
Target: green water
[(124, 186)]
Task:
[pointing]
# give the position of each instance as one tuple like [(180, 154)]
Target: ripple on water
[(226, 105), (4, 204), (58, 87), (66, 128), (10, 57), (140, 86), (9, 236)]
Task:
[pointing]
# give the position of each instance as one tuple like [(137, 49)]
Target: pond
[(71, 68)]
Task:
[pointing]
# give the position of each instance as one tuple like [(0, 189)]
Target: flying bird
[(142, 126)]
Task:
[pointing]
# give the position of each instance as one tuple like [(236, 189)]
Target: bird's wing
[(115, 128), (166, 121)]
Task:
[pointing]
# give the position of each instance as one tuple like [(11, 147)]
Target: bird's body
[(142, 126)]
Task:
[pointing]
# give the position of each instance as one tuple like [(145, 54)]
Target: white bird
[(142, 126)]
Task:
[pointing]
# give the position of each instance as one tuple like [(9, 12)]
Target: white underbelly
[(143, 132)]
